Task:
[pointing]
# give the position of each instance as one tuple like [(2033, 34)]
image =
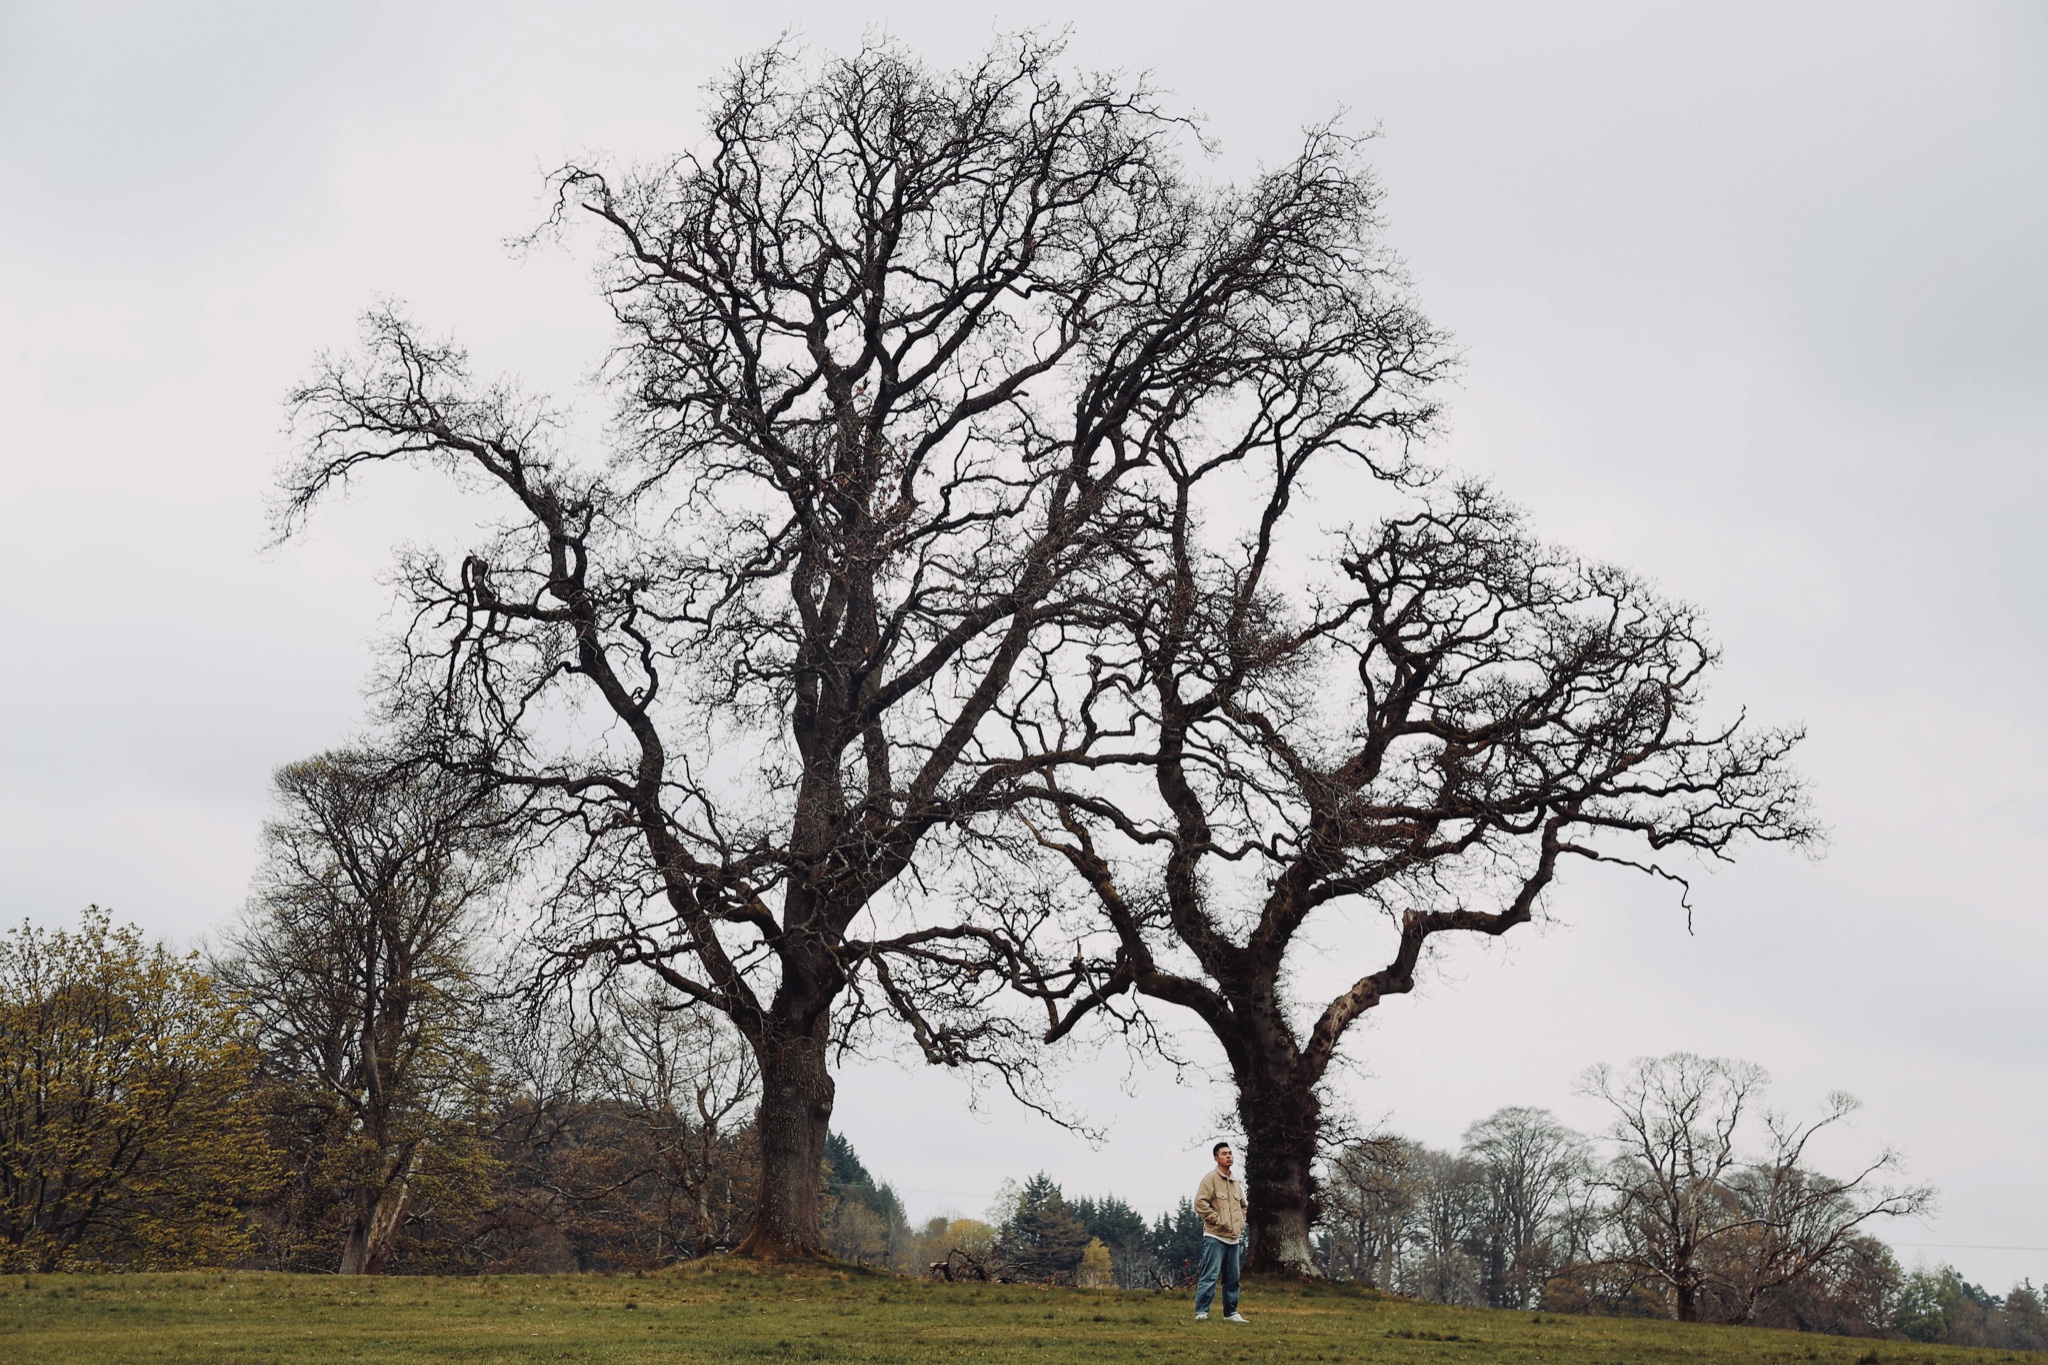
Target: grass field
[(737, 1314)]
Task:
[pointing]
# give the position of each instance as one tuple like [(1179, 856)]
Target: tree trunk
[(1280, 1127), (795, 1117), (376, 1224)]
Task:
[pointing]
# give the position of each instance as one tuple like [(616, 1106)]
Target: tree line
[(1671, 1212), (166, 1112), (333, 1102)]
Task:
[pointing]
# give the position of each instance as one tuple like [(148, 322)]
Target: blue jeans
[(1219, 1260)]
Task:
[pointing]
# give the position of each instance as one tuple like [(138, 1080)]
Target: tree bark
[(1280, 1121), (795, 1118), (376, 1225)]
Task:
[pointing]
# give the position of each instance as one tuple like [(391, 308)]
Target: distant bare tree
[(1853, 1292), (1717, 1229), (354, 959), (898, 349), (1532, 1167), (1450, 1206), (629, 1137), (690, 1083), (1676, 1121), (1368, 1209), (1797, 1220), (1432, 734)]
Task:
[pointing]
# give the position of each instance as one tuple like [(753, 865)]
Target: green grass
[(733, 1313)]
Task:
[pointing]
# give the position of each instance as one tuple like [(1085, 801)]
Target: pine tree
[(1043, 1240), (863, 1218), (1177, 1243), (1121, 1229)]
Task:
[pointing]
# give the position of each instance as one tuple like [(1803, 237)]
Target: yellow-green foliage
[(127, 1129), (1097, 1270), (727, 1312)]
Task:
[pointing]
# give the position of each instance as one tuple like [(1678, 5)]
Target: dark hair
[(1217, 1148)]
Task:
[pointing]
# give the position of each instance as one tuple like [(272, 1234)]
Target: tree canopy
[(128, 1130)]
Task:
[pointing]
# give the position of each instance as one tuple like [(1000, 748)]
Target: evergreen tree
[(863, 1219), (1112, 1220), (842, 1164), (2026, 1321), (1122, 1231), (1043, 1240), (1177, 1244), (848, 1178)]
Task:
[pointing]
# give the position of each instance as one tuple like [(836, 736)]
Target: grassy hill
[(735, 1313)]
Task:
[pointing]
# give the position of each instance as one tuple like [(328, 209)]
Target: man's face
[(1224, 1156)]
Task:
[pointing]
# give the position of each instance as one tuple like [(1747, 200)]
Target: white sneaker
[(1233, 1317), (1201, 1317)]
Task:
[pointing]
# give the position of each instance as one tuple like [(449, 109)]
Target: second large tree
[(1427, 726)]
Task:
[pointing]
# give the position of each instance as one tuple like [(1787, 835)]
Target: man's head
[(1224, 1156)]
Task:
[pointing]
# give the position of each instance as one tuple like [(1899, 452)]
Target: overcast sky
[(1752, 299)]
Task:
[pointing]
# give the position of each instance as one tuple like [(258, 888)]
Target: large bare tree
[(900, 351), (1431, 731)]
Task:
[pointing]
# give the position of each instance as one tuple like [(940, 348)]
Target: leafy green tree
[(128, 1131), (1942, 1306)]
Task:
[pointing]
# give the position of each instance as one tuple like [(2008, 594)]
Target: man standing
[(1220, 1201)]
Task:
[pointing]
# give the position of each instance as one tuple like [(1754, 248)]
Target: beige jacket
[(1220, 1201)]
